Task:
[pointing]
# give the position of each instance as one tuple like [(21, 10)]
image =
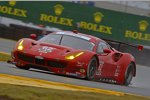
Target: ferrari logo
[(45, 49)]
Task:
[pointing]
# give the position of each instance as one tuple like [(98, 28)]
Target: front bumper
[(58, 66)]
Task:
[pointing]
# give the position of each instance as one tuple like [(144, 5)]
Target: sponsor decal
[(58, 8), (12, 2), (57, 19), (99, 70), (117, 71), (98, 16), (143, 24), (95, 27), (11, 10), (80, 64), (141, 34)]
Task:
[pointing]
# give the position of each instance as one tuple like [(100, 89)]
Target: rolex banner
[(89, 20)]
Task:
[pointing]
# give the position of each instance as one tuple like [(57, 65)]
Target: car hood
[(49, 50)]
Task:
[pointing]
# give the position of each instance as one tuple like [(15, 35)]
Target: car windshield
[(69, 41)]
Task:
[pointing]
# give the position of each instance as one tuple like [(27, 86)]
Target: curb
[(18, 80), (2, 56), (4, 53)]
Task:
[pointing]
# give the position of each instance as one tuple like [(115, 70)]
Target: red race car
[(75, 54)]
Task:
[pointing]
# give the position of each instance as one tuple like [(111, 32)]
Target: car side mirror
[(107, 51), (140, 47), (33, 36)]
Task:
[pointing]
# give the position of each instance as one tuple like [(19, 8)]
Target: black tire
[(91, 70), (129, 74), (23, 67)]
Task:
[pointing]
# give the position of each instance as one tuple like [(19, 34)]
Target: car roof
[(80, 35)]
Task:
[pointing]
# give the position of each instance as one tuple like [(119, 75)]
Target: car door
[(107, 66)]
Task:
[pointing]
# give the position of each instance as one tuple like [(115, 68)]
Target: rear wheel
[(92, 68), (129, 74), (23, 67)]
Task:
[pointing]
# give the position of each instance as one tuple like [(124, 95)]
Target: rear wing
[(139, 47)]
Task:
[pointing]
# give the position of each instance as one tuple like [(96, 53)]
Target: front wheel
[(129, 74), (92, 69)]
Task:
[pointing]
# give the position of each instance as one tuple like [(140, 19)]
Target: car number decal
[(45, 49), (99, 70)]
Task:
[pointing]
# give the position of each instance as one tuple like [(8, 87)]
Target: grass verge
[(4, 56), (16, 92)]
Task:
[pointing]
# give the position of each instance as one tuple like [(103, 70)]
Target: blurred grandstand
[(132, 7), (141, 8)]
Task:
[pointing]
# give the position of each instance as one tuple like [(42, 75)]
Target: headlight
[(20, 45), (74, 55)]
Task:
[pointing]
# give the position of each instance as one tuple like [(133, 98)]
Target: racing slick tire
[(91, 70), (23, 67), (129, 74)]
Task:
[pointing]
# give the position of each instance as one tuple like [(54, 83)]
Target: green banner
[(89, 20)]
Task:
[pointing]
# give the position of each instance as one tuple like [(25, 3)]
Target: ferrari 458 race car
[(75, 54)]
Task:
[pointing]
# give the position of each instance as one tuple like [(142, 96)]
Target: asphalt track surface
[(140, 84)]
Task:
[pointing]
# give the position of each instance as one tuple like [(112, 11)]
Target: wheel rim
[(92, 69), (129, 75)]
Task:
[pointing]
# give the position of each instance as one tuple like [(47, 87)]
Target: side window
[(101, 47)]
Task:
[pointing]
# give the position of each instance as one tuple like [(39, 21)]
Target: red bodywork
[(111, 65)]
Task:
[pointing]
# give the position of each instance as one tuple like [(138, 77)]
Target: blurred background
[(126, 21)]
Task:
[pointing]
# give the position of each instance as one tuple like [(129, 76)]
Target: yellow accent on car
[(72, 56), (20, 46)]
